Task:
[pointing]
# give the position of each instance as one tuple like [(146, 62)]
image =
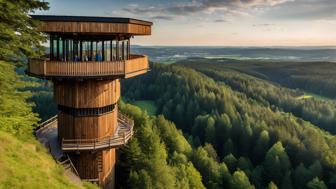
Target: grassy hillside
[(28, 165), (24, 163)]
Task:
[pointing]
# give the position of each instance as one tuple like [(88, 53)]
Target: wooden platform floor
[(122, 135)]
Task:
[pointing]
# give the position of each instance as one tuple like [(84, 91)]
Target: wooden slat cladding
[(94, 28), (105, 68), (86, 165), (95, 127), (108, 173), (87, 93), (136, 65), (120, 138), (37, 66)]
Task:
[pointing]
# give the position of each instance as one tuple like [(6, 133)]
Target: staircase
[(100, 162), (67, 164)]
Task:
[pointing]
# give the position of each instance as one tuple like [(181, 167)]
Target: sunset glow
[(220, 22)]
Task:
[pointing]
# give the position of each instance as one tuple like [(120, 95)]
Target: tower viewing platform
[(86, 58), (90, 47), (135, 65)]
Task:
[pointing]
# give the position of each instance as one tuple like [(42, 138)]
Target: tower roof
[(92, 25)]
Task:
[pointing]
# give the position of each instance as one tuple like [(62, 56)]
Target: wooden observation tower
[(88, 56)]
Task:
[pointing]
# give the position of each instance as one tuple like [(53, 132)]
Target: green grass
[(304, 97), (146, 105), (26, 164), (168, 62), (308, 95)]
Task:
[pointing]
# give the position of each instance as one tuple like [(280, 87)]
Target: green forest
[(210, 123), (251, 128)]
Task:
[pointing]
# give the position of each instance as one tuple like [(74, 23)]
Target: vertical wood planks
[(94, 27), (87, 93), (137, 63)]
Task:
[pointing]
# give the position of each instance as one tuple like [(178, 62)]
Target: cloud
[(197, 6), (141, 10), (220, 20), (306, 10), (262, 25), (162, 18), (279, 9)]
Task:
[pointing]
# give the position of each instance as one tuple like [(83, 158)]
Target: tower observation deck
[(87, 58)]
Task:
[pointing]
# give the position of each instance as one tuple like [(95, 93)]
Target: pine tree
[(272, 185), (316, 184), (240, 181), (19, 38), (276, 163)]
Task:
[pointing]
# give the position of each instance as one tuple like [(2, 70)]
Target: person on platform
[(99, 56)]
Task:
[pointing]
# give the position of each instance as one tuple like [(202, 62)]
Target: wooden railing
[(45, 124), (48, 68), (67, 163), (123, 134), (136, 63)]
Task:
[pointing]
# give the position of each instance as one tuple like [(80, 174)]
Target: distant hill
[(171, 54)]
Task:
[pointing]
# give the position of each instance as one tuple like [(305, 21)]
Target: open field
[(147, 105)]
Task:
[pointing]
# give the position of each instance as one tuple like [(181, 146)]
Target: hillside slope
[(24, 162), (28, 165)]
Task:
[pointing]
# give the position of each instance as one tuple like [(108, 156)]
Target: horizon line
[(246, 46)]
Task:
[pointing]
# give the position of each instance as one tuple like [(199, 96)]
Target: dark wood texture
[(61, 18), (87, 93), (88, 127), (94, 28), (98, 166)]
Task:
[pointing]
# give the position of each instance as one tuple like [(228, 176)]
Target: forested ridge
[(316, 77), (243, 128), (320, 112)]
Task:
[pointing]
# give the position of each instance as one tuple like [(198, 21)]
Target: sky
[(218, 22)]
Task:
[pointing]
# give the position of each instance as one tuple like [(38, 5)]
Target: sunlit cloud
[(220, 22)]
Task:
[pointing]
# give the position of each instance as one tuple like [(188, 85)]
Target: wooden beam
[(103, 50), (123, 49), (95, 28), (81, 50), (117, 49), (57, 48), (111, 57), (51, 49), (129, 48), (63, 48), (91, 50)]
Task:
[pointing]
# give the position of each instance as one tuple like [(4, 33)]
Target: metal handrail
[(45, 123), (123, 135)]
